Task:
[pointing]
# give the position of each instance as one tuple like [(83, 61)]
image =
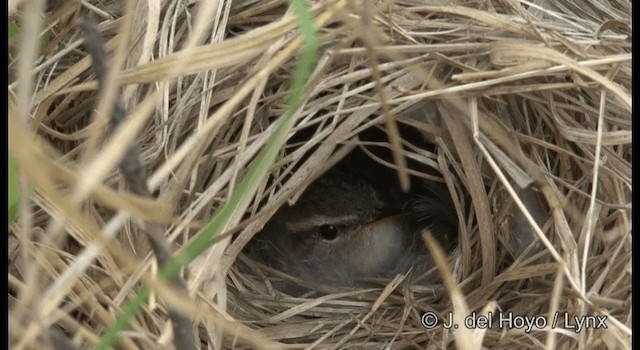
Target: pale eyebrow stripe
[(319, 220)]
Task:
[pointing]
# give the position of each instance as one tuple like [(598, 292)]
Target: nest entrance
[(355, 223)]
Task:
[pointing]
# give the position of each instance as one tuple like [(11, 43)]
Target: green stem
[(249, 183)]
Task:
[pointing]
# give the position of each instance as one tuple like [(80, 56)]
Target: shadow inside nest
[(355, 228)]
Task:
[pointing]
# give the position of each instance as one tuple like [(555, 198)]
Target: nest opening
[(352, 182)]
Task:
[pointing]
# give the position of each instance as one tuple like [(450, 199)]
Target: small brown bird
[(343, 232)]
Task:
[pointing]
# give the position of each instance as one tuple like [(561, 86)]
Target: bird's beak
[(387, 219), (390, 225)]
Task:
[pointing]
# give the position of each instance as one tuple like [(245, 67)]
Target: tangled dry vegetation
[(515, 94)]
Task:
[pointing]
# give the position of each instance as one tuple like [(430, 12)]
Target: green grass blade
[(14, 190), (247, 187)]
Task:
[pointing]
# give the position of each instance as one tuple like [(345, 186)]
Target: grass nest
[(521, 99)]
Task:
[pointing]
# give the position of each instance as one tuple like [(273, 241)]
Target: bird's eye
[(328, 232)]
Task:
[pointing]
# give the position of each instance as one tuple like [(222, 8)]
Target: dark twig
[(59, 341), (134, 173)]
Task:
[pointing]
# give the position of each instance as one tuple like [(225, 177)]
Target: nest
[(522, 100)]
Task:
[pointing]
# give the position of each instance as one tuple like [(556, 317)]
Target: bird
[(345, 231)]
